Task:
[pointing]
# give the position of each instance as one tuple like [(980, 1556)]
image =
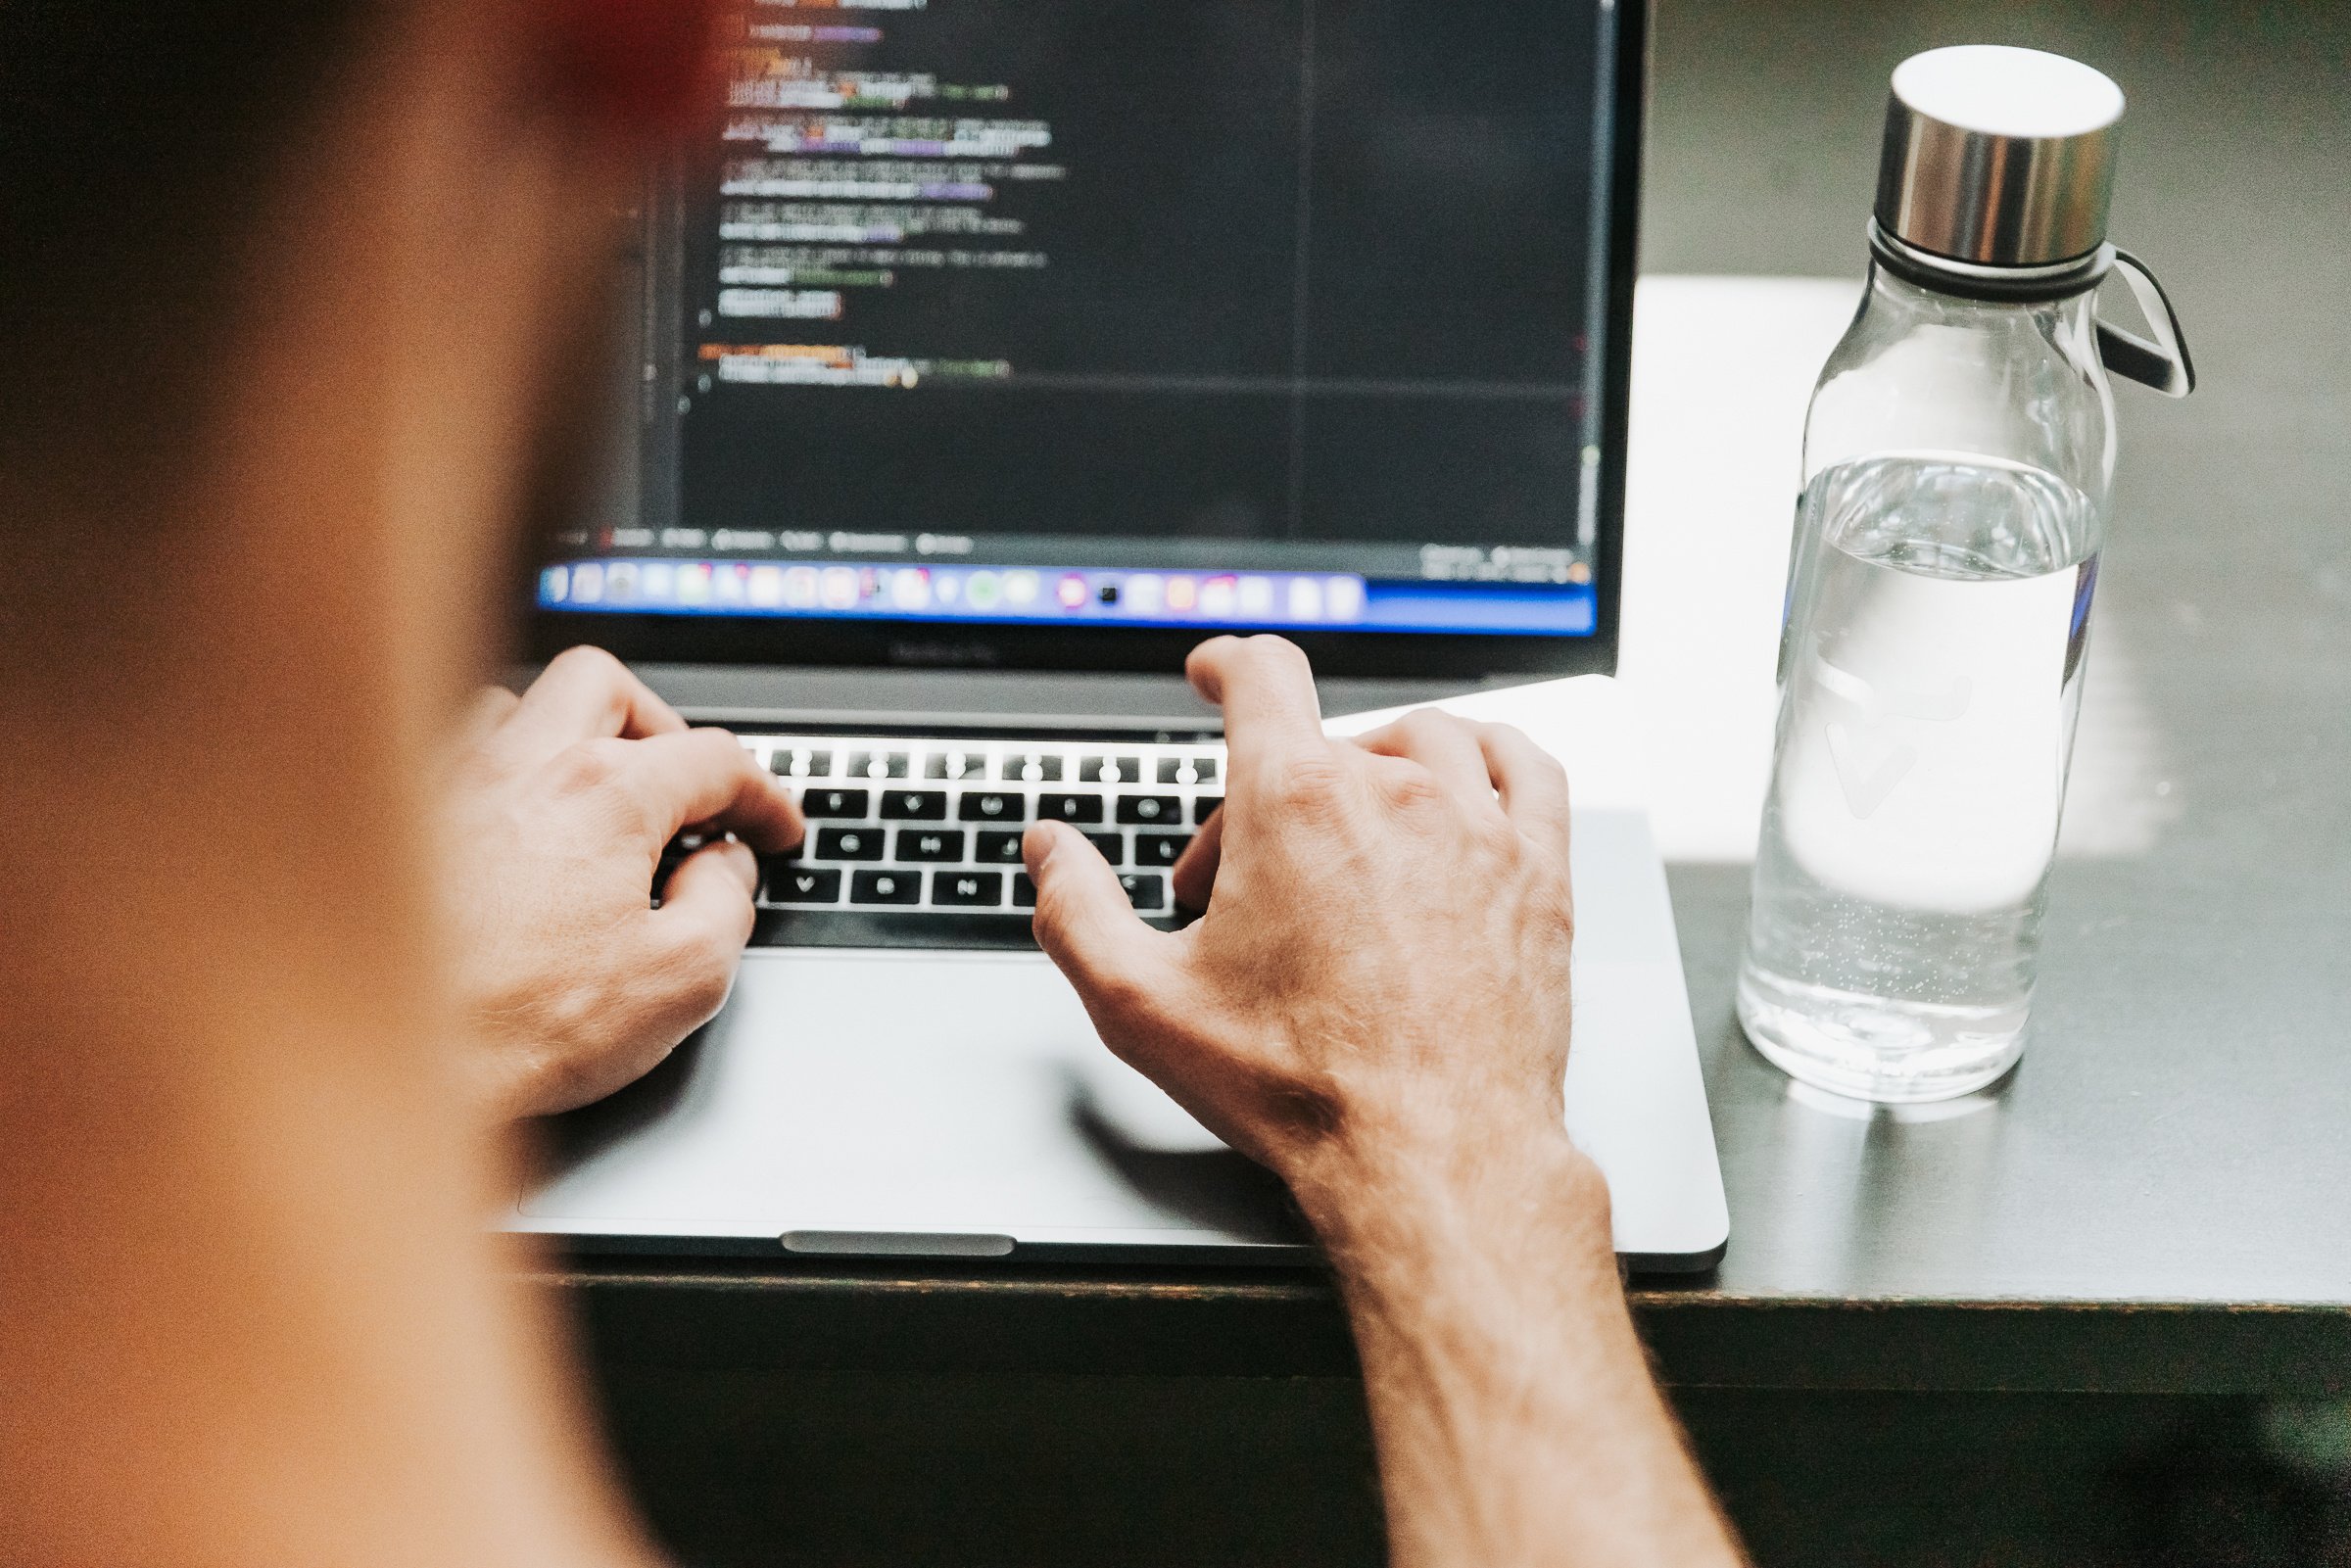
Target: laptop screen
[(972, 321)]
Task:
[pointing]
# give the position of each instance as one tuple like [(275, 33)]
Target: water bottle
[(1958, 462)]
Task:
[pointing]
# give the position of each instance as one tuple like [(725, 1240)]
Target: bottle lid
[(1998, 157)]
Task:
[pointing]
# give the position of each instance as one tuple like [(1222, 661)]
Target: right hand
[(1382, 971)]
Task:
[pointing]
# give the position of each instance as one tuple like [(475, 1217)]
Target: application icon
[(659, 582), (1145, 594), (1256, 597), (1182, 594), (766, 587), (910, 588), (1072, 592), (693, 583), (620, 581), (554, 584), (840, 589), (799, 588), (984, 591), (1219, 596), (1343, 598), (587, 583), (1305, 599), (1021, 590), (732, 583), (949, 586)]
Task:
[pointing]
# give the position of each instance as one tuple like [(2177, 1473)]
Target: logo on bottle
[(1870, 754)]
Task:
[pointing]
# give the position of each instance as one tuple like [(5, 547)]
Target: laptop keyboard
[(915, 840)]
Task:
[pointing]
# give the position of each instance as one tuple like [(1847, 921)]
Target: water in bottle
[(1931, 670), (1958, 458)]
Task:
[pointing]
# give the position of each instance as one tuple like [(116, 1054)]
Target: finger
[(1084, 921), (484, 712), (1266, 690), (588, 694), (1443, 744), (1195, 873), (705, 777), (1531, 783), (705, 917)]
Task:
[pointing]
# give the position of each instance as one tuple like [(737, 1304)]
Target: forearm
[(1516, 1417)]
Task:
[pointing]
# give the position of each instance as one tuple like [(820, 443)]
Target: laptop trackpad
[(902, 1094)]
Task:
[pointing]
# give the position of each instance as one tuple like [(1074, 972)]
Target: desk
[(2160, 1200)]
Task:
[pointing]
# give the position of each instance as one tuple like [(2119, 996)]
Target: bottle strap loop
[(2164, 364)]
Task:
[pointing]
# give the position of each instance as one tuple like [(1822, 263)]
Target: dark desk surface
[(2160, 1198)]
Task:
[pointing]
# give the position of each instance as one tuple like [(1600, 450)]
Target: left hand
[(558, 807)]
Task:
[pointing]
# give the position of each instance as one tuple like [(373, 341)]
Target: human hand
[(558, 807), (1382, 972)]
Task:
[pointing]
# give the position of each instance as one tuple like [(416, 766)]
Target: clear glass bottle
[(1958, 461)]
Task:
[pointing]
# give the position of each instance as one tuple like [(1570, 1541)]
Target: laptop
[(987, 355)]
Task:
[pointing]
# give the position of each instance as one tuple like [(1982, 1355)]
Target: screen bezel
[(913, 643)]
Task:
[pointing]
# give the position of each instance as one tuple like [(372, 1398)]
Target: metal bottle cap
[(1998, 157)]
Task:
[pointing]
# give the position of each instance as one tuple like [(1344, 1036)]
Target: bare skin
[(277, 943), (559, 802), (1377, 1007)]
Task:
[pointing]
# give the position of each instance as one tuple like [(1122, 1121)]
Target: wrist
[(1396, 1196)]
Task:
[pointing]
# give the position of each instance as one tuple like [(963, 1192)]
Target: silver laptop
[(986, 358)]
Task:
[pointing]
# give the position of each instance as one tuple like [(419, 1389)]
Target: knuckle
[(1413, 788), (585, 660), (1427, 724), (596, 775), (701, 971), (585, 767), (720, 752), (706, 984), (1275, 652), (1307, 786), (1501, 838)]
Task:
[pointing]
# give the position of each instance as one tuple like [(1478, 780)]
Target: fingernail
[(744, 864)]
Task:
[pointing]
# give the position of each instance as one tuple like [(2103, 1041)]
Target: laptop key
[(887, 887), (1069, 808), (914, 805), (967, 889), (1146, 893), (1205, 807), (877, 765), (1110, 770), (998, 849), (848, 843), (1030, 767), (1112, 845), (954, 765), (798, 884), (849, 805), (998, 806), (930, 845), (799, 762), (1159, 849), (1151, 811), (1024, 890), (1187, 770)]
